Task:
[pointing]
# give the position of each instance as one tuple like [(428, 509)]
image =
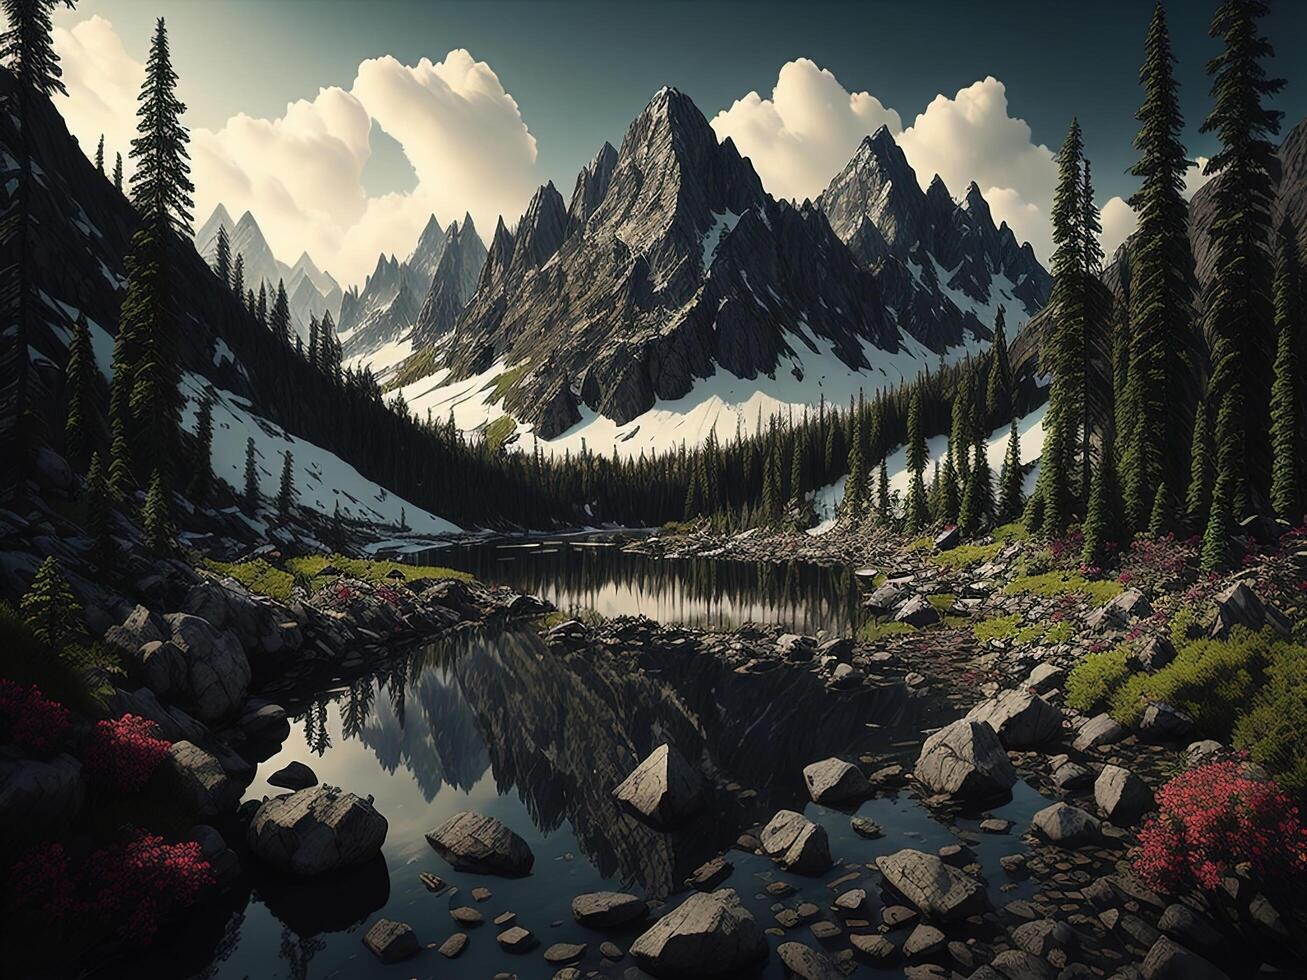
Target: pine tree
[(80, 381), (49, 607), (1286, 394), (280, 322), (1104, 519), (977, 498), (261, 305), (1237, 300), (251, 494), (118, 172), (884, 506), (286, 492), (238, 280), (998, 390), (917, 512), (99, 154), (120, 464), (693, 496), (796, 476), (313, 340), (1011, 479), (1161, 518), (223, 267), (950, 492), (161, 184), (99, 516), (1161, 340), (963, 428), (1198, 498), (28, 52), (857, 478), (155, 520), (202, 467)]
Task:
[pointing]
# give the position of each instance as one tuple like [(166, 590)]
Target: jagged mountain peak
[(591, 186)]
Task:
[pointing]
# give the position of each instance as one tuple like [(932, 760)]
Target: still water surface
[(493, 722)]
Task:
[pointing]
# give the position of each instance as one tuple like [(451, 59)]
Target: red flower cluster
[(1214, 817), (129, 888), (387, 595), (30, 719), (123, 754)]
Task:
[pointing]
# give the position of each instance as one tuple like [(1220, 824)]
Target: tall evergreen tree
[(280, 322), (99, 154), (857, 477), (884, 506), (99, 516), (261, 305), (1011, 479), (998, 388), (80, 382), (917, 512), (27, 50), (1201, 470), (251, 494), (155, 519), (950, 492), (201, 485), (118, 171), (962, 431), (1102, 522), (1237, 300), (238, 280), (286, 491), (161, 183), (49, 607), (1286, 393), (1162, 359), (224, 257), (313, 339)]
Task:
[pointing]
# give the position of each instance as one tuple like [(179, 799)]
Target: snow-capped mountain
[(378, 322), (943, 265), (674, 283), (311, 291)]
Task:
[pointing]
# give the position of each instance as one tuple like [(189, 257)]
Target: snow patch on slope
[(322, 479)]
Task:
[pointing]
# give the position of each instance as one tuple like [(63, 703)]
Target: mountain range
[(672, 265), (311, 291)]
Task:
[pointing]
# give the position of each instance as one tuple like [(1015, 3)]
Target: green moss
[(1058, 633), (998, 628), (414, 368), (871, 630), (257, 575), (500, 431), (922, 543), (1009, 533), (1059, 582), (1272, 731), (943, 601), (377, 571), (965, 555), (1031, 634), (505, 382), (1093, 681)]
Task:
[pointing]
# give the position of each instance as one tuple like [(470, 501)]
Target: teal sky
[(580, 70)]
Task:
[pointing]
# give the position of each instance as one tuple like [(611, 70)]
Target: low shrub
[(78, 675), (29, 719), (1092, 682), (871, 631), (1060, 582), (123, 753), (126, 890), (1272, 730), (1216, 816), (257, 575), (967, 554), (998, 628)]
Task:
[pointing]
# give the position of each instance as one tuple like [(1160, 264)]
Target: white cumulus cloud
[(301, 174), (800, 137)]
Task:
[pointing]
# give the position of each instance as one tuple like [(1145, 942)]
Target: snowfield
[(321, 479)]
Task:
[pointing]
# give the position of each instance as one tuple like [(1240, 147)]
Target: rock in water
[(965, 760), (941, 893), (796, 843), (391, 941), (607, 910), (806, 963), (316, 830), (707, 935), (835, 781), (664, 789), (1019, 718), (197, 778), (480, 844)]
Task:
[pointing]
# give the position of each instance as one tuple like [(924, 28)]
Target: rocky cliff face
[(453, 283), (943, 265), (672, 263)]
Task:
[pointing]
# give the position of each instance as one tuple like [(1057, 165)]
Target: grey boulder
[(917, 612), (796, 843), (1168, 960), (1066, 825), (202, 668), (607, 910), (835, 781), (482, 845), (1021, 719), (1121, 796), (391, 941), (707, 935), (664, 789), (313, 831), (939, 892), (199, 780), (806, 963), (965, 760)]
